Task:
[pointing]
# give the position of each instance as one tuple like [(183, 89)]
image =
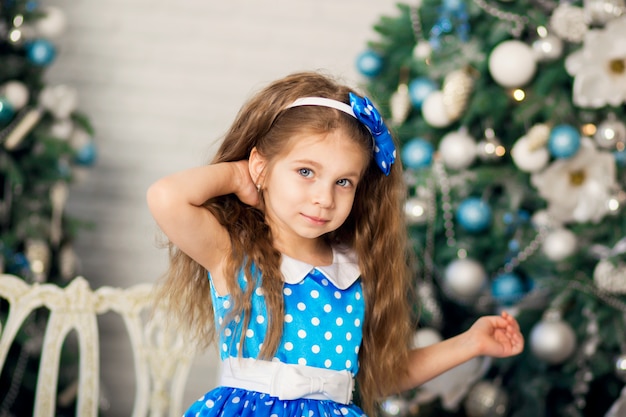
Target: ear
[(256, 165)]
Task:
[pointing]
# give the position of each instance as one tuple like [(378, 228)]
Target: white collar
[(343, 272)]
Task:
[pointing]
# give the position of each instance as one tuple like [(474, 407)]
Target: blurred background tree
[(510, 116), (45, 145)]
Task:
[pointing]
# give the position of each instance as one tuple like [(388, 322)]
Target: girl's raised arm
[(175, 202)]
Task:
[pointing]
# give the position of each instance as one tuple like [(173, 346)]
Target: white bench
[(162, 361)]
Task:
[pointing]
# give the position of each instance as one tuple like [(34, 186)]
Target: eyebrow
[(317, 165)]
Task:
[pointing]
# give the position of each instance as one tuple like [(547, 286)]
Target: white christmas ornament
[(465, 278), (610, 277), (434, 110), (547, 48), (512, 63), (458, 149), (527, 156), (569, 22), (552, 340), (599, 12), (16, 92), (59, 100), (559, 244), (52, 24)]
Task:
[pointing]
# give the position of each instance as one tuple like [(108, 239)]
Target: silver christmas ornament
[(610, 277), (610, 133), (486, 399), (548, 48), (490, 147), (430, 309), (464, 279), (552, 339)]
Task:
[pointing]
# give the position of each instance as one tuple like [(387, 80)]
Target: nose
[(323, 195)]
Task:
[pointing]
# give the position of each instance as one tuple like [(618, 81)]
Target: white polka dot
[(339, 349), (327, 308), (357, 295), (260, 319), (356, 350), (349, 309), (327, 363), (315, 349), (348, 336), (288, 318), (226, 303), (301, 306), (301, 334), (337, 295), (227, 332), (288, 346), (325, 282), (328, 335), (339, 321), (249, 333), (287, 291), (315, 321), (236, 400), (237, 318), (357, 322), (315, 294), (259, 291), (224, 347), (210, 404), (311, 413), (344, 411), (301, 361), (220, 320), (348, 363)]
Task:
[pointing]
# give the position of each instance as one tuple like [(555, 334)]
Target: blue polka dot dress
[(322, 332)]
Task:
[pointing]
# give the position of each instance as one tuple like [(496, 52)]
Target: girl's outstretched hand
[(497, 336)]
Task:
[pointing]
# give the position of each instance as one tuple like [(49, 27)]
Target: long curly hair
[(375, 229)]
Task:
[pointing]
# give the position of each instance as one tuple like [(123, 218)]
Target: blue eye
[(344, 183), (305, 172)]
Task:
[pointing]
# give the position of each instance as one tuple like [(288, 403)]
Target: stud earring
[(258, 188)]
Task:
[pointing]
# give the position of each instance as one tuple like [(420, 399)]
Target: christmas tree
[(45, 144), (511, 122)]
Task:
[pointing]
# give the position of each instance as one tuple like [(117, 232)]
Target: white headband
[(324, 102)]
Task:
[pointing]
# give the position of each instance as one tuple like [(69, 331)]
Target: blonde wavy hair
[(375, 229)]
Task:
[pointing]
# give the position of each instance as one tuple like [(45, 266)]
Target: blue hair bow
[(384, 149)]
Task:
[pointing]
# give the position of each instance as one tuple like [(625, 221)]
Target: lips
[(316, 220)]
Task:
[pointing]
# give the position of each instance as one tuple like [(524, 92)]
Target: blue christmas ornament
[(7, 112), (417, 153), (507, 288), (369, 63), (564, 141), (474, 215), (40, 52), (419, 89), (86, 155), (31, 6)]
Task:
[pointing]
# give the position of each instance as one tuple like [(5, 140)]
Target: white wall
[(161, 81)]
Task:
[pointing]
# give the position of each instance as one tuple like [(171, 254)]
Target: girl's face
[(309, 190)]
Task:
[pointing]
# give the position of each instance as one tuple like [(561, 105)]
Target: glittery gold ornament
[(457, 88)]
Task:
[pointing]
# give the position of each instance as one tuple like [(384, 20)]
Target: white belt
[(287, 382)]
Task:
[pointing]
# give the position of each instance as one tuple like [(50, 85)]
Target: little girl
[(298, 222)]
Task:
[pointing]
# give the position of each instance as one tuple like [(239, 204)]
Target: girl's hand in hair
[(247, 191)]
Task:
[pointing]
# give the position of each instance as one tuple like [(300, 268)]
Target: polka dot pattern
[(228, 402), (321, 328)]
